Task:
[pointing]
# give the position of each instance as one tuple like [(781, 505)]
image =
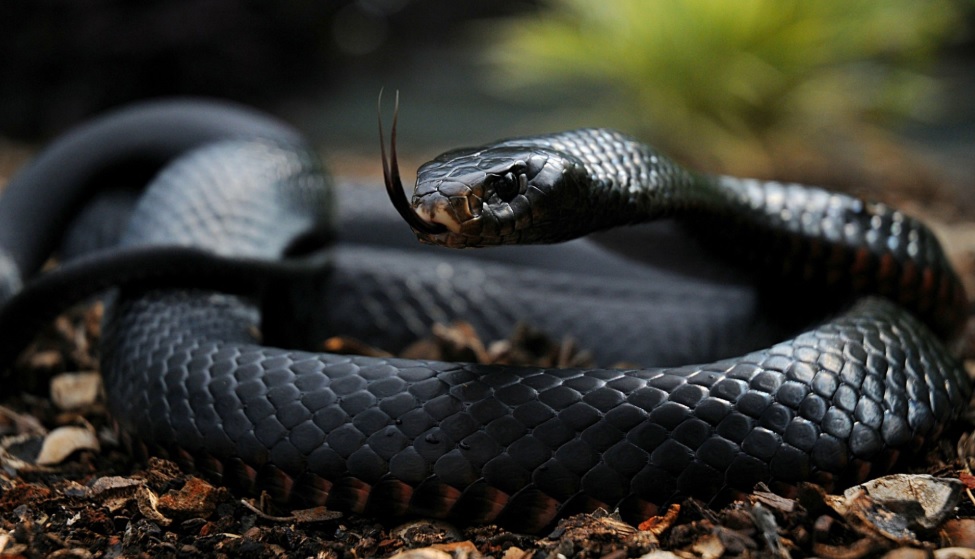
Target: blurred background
[(862, 95)]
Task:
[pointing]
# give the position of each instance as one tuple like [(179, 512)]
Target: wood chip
[(774, 501)]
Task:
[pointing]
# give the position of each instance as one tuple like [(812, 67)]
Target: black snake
[(220, 259)]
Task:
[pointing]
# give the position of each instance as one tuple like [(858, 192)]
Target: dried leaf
[(19, 423), (959, 532), (661, 554), (115, 491), (765, 522), (460, 342), (315, 514), (346, 345), (196, 499), (659, 524), (423, 553), (425, 532), (465, 547), (515, 553), (73, 391), (708, 546), (114, 485), (147, 503), (63, 441), (48, 359), (263, 515), (855, 550), (906, 553), (954, 553), (925, 500)]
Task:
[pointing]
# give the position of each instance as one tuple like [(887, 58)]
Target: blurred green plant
[(727, 82)]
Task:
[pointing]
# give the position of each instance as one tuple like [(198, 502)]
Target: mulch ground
[(68, 489)]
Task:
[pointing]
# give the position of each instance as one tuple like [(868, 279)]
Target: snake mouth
[(391, 176)]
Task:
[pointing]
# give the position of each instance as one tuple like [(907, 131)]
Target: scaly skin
[(522, 446), (561, 186), (187, 376)]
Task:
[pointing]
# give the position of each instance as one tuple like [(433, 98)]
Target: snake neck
[(628, 181), (788, 233), (561, 186), (841, 244)]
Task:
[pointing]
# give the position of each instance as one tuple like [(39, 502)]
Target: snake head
[(503, 194), (512, 192)]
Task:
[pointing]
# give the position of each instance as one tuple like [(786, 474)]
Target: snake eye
[(510, 184), (507, 187)]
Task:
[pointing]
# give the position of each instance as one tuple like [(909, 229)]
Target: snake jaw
[(447, 211)]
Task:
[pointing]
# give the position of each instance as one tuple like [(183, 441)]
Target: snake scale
[(213, 264)]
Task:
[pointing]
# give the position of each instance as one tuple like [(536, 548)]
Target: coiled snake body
[(236, 225)]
